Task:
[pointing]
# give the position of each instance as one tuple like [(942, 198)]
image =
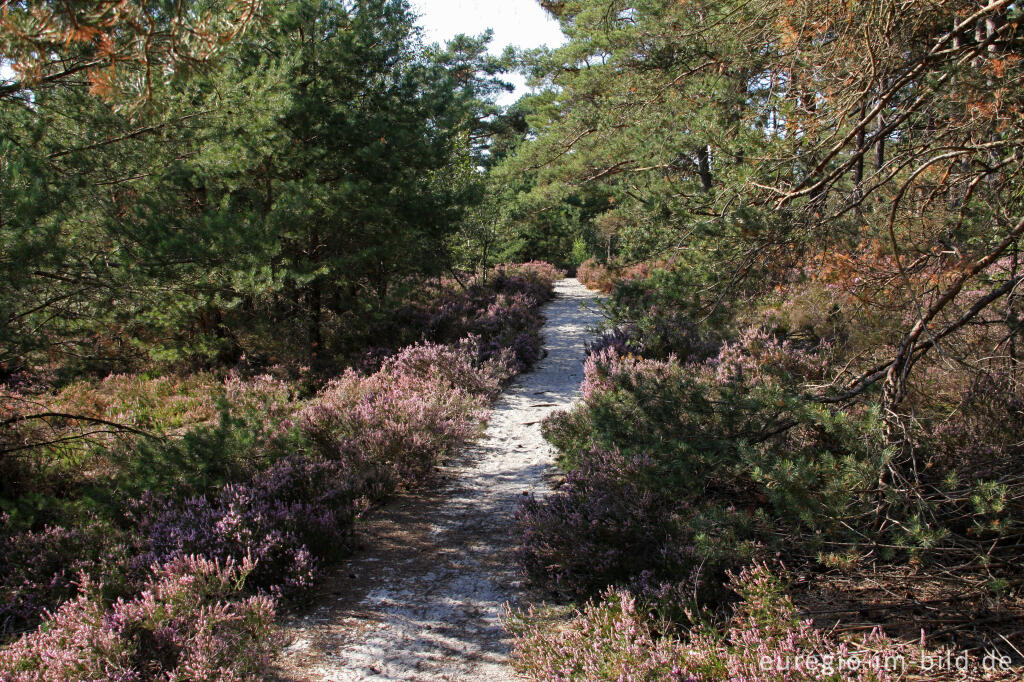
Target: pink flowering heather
[(456, 364), (503, 314), (402, 418), (756, 357), (596, 276), (607, 368), (538, 271), (290, 519), (608, 640), (623, 339), (765, 641), (41, 569), (264, 394), (188, 623), (264, 402)]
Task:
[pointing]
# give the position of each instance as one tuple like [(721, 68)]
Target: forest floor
[(423, 600)]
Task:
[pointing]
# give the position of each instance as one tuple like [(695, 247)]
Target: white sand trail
[(423, 600)]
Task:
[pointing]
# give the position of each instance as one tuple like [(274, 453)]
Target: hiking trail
[(423, 600)]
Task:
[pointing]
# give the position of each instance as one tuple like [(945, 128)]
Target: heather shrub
[(401, 419), (756, 357), (502, 312), (289, 519), (189, 622), (511, 321), (623, 339), (816, 311), (594, 275), (536, 271), (265, 402), (611, 523), (41, 569), (608, 640), (764, 641), (600, 528), (640, 269), (607, 278), (456, 365)]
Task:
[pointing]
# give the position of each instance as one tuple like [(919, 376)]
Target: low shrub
[(606, 278), (608, 640), (402, 419), (456, 364), (289, 519), (646, 407), (537, 271), (41, 569), (682, 471), (512, 321), (499, 308), (189, 622), (623, 339), (765, 641), (594, 275), (600, 528), (502, 313)]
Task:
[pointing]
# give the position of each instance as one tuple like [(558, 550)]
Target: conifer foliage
[(808, 216), (310, 171), (232, 319)]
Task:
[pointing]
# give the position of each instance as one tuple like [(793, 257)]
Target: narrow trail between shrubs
[(423, 600)]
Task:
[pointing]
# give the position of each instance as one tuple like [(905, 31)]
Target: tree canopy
[(180, 178)]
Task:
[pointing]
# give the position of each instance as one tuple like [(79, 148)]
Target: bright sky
[(522, 23)]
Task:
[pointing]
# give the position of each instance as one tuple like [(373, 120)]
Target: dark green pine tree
[(304, 183)]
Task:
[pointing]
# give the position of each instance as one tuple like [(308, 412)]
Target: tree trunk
[(704, 168), (315, 303), (880, 144), (858, 168)]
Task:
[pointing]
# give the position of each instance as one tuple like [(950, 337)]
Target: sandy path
[(422, 602)]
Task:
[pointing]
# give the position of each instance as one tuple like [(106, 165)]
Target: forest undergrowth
[(719, 521), (163, 551)]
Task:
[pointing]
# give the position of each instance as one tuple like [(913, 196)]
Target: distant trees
[(873, 147)]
